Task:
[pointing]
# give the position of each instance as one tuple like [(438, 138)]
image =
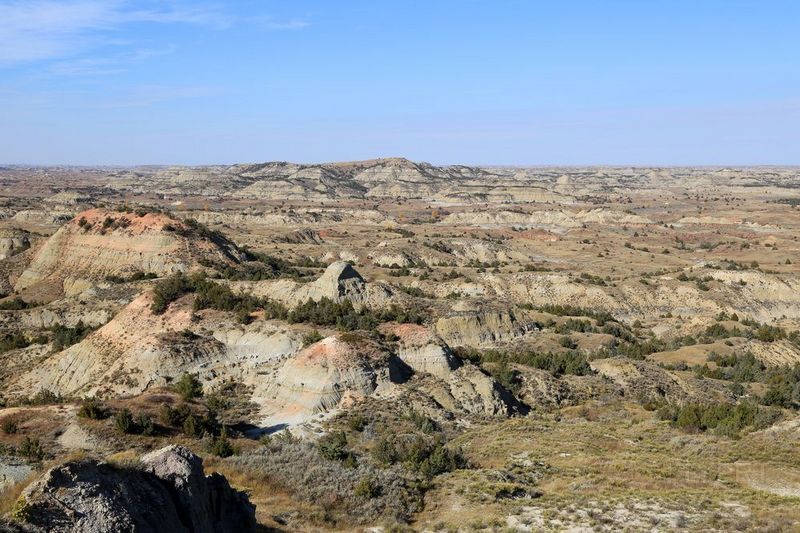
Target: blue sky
[(472, 81)]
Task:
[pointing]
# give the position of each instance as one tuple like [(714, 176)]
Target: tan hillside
[(98, 243)]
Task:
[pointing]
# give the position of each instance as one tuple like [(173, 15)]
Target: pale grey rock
[(12, 471), (168, 492)]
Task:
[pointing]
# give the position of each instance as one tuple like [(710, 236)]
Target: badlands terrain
[(387, 345)]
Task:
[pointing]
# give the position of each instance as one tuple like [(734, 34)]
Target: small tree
[(221, 446), (191, 427), (189, 387)]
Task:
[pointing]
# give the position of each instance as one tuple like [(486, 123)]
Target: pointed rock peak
[(340, 271)]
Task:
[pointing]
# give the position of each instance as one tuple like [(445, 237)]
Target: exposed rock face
[(137, 350), (303, 236), (212, 504), (468, 390), (340, 370), (325, 373), (339, 282), (67, 313), (12, 471), (421, 350), (758, 295), (311, 216), (555, 220), (476, 328), (98, 243), (68, 198), (48, 217), (13, 242), (780, 353), (465, 251), (540, 388), (168, 493), (392, 259), (377, 178)]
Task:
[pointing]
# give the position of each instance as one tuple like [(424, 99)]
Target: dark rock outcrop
[(167, 492)]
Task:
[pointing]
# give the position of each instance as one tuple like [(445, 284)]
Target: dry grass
[(270, 499), (620, 453), (10, 495)]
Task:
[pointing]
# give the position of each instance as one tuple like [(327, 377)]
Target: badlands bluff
[(388, 345)]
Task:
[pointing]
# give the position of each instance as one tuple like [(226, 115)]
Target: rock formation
[(324, 374), (421, 350), (98, 243), (167, 491), (137, 350), (13, 242), (339, 282)]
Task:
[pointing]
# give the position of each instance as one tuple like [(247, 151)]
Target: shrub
[(45, 397), (124, 422), (136, 276), (784, 387), (505, 376), (189, 387), (9, 425), (601, 317), (13, 341), (17, 304), (296, 466), (421, 422), (766, 333), (333, 446), (144, 425), (216, 402), (367, 488), (741, 368), (726, 419), (343, 315), (31, 449), (429, 457), (92, 408), (211, 295), (384, 451), (441, 459), (415, 291), (567, 342), (168, 290), (311, 337), (191, 426), (558, 364), (356, 423), (64, 336), (173, 417)]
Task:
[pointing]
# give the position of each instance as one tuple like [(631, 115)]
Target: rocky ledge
[(167, 491)]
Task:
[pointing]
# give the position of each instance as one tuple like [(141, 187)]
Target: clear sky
[(647, 82)]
